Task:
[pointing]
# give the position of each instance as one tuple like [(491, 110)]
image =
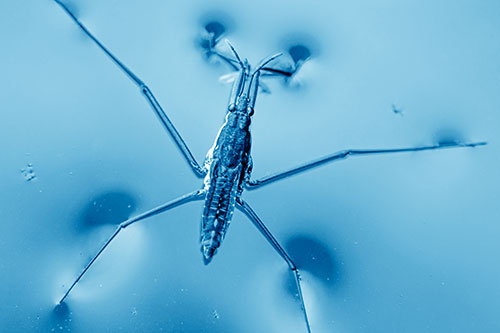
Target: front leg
[(343, 154)]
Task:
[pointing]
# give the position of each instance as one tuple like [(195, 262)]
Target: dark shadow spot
[(73, 8), (299, 48), (448, 136), (61, 311), (299, 53), (112, 207), (312, 256), (60, 318), (210, 36), (213, 27)]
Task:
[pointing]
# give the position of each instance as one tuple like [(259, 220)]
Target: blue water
[(390, 243)]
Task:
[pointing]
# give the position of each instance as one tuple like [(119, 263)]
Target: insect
[(228, 166), (397, 110)]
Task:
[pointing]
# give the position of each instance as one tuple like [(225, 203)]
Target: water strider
[(228, 165)]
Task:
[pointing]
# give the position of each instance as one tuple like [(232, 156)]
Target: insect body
[(228, 162), (228, 165)]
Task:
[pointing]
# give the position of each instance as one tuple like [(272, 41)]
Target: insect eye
[(250, 111), (232, 107)]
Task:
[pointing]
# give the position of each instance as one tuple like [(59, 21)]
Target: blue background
[(392, 243)]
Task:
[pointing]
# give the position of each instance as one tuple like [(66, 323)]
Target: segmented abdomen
[(217, 212)]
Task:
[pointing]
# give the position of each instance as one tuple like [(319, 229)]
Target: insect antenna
[(266, 61), (254, 80), (235, 54)]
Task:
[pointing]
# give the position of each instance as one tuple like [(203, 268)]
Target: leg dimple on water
[(213, 28), (217, 29), (299, 53)]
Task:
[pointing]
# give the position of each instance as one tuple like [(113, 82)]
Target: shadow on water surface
[(108, 207), (214, 26), (448, 136), (314, 257), (60, 318)]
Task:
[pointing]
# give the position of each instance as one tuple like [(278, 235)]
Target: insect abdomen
[(217, 214)]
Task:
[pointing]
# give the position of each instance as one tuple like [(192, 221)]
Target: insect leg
[(276, 72), (158, 110), (233, 63), (269, 71), (254, 218), (196, 195), (343, 154)]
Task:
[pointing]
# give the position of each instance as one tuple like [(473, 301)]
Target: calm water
[(395, 243)]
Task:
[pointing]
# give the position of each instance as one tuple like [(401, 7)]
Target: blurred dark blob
[(210, 36), (59, 319), (448, 136), (73, 8), (300, 48), (111, 207), (312, 256), (214, 27), (299, 54)]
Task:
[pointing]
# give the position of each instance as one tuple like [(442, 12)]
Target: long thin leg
[(343, 154), (257, 222), (162, 116), (196, 195)]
